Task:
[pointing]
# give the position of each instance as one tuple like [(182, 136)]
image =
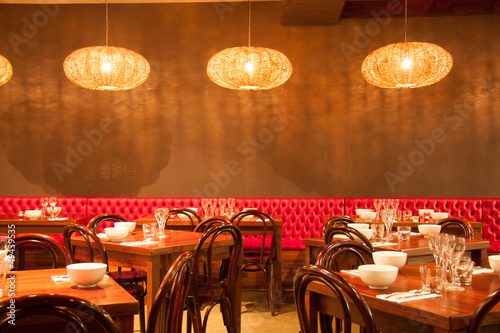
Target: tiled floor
[(256, 317)]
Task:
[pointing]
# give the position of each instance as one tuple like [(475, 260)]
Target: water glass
[(433, 278), (161, 215), (388, 216), (149, 231), (407, 216), (378, 230), (404, 233), (463, 272)]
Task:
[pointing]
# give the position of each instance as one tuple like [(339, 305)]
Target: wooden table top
[(108, 294), (449, 312)]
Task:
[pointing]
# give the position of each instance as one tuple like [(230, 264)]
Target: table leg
[(155, 276)]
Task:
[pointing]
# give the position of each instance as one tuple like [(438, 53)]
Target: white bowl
[(494, 261), (86, 274), (33, 214), (129, 225), (392, 258), (367, 232), (359, 225), (368, 215), (422, 211), (426, 229), (378, 276), (439, 215), (362, 210), (116, 234)]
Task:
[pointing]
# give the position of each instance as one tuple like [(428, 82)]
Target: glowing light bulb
[(406, 63), (249, 66), (106, 67)]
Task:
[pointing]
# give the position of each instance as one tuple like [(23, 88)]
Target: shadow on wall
[(83, 152)]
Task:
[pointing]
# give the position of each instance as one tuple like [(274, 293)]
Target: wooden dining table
[(448, 313), (108, 294), (417, 249), (44, 226), (157, 256), (247, 227)]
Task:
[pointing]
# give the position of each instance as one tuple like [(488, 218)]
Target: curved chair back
[(342, 254), (193, 216), (90, 237), (337, 220), (168, 305), (351, 233), (78, 315), (478, 316), (99, 222), (209, 287), (341, 288), (48, 244), (210, 223), (456, 223)]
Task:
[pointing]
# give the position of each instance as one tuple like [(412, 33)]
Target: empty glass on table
[(161, 215)]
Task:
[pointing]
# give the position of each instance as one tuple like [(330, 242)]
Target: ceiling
[(331, 12)]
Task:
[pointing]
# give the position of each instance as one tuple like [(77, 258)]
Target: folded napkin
[(482, 270), (411, 295), (382, 243), (58, 219), (351, 271), (60, 278), (138, 243)]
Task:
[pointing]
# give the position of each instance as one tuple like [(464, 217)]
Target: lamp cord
[(406, 20), (106, 22), (249, 21)]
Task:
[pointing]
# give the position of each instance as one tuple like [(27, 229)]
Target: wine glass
[(161, 215), (388, 219), (377, 203), (52, 201), (44, 202), (222, 207), (204, 204), (230, 205)]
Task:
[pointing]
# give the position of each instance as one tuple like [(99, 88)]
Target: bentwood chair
[(478, 316), (55, 313), (349, 232), (337, 255), (262, 257), (39, 243), (97, 225), (337, 220), (452, 225), (214, 287), (210, 223), (191, 215), (134, 289), (169, 303), (343, 291)]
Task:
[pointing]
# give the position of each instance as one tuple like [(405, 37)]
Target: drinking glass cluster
[(161, 215), (218, 207)]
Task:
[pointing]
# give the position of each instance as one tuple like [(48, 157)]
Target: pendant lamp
[(248, 67), (5, 70), (407, 64), (106, 67)]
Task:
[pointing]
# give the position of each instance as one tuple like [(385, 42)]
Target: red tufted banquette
[(491, 220), (70, 205)]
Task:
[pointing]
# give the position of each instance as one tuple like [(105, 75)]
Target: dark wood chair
[(478, 316), (212, 287), (168, 306), (336, 220), (36, 243), (263, 257), (106, 219), (210, 223), (337, 255), (71, 314), (457, 226), (341, 288), (193, 216), (349, 232), (136, 290)]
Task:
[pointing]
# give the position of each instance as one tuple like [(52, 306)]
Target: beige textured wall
[(326, 132)]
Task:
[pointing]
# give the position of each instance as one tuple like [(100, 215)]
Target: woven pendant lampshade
[(5, 70), (406, 65), (106, 68), (249, 68)]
